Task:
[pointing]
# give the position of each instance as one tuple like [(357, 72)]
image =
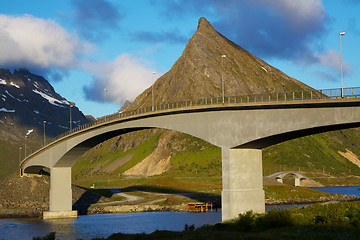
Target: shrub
[(50, 236), (188, 228), (246, 221), (275, 218)]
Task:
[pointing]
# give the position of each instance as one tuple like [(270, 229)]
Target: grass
[(314, 154), (291, 193), (83, 166)]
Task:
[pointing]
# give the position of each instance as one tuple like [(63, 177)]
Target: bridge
[(242, 127), (280, 175)]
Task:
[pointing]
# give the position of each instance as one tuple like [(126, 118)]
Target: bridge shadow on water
[(92, 196)]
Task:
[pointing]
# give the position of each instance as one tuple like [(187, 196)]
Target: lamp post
[(20, 155), (25, 146), (342, 88), (44, 122), (152, 91), (105, 90), (222, 79), (26, 135), (71, 105)]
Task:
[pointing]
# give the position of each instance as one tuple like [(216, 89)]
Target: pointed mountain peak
[(205, 28), (199, 71), (204, 23)]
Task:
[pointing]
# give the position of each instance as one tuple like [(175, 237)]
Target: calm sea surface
[(103, 225)]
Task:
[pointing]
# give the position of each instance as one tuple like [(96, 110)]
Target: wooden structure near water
[(200, 207)]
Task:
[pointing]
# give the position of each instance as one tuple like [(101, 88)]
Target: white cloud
[(300, 13), (331, 59), (27, 41), (125, 78)]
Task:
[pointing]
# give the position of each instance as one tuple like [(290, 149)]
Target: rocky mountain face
[(26, 101), (197, 74)]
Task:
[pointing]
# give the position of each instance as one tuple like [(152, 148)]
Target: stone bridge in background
[(241, 128), (279, 176)]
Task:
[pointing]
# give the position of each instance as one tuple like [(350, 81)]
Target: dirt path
[(128, 198)]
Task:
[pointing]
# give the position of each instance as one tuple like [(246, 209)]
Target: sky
[(85, 46)]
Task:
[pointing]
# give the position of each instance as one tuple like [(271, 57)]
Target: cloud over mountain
[(27, 40), (36, 43), (124, 78)]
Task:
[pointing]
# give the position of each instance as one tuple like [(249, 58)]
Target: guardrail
[(267, 97)]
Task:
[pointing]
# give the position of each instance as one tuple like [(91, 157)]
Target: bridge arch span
[(241, 130)]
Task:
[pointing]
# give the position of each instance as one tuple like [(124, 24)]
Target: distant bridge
[(242, 127), (279, 176)]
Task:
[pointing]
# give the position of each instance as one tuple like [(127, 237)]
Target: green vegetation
[(315, 155), (50, 236), (104, 157), (291, 193)]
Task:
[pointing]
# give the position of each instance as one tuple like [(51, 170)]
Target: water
[(351, 190), (103, 225)]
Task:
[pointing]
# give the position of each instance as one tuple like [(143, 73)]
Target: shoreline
[(6, 213)]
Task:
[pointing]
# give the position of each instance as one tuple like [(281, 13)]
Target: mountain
[(26, 101), (197, 74)]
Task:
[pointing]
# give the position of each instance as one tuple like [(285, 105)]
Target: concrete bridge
[(280, 175), (242, 129)]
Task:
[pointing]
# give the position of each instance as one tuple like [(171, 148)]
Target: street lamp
[(152, 91), (25, 147), (105, 90), (71, 105), (222, 79), (20, 155), (26, 135), (342, 88), (44, 122)]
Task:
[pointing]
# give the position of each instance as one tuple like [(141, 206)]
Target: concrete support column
[(60, 194), (242, 182), (297, 182), (280, 180)]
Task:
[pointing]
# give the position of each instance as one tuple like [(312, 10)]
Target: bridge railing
[(267, 97)]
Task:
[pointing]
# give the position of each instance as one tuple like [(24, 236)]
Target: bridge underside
[(241, 133)]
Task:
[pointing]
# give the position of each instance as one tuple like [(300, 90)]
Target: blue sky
[(84, 46)]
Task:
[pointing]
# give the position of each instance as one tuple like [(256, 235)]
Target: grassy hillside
[(315, 156), (11, 140)]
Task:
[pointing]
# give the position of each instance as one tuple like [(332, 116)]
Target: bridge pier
[(60, 194), (242, 182)]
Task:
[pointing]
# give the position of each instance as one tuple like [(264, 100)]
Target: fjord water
[(347, 190), (103, 225)]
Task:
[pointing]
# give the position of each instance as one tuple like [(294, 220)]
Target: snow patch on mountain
[(29, 131), (2, 81), (6, 110), (52, 100), (13, 84), (6, 91)]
